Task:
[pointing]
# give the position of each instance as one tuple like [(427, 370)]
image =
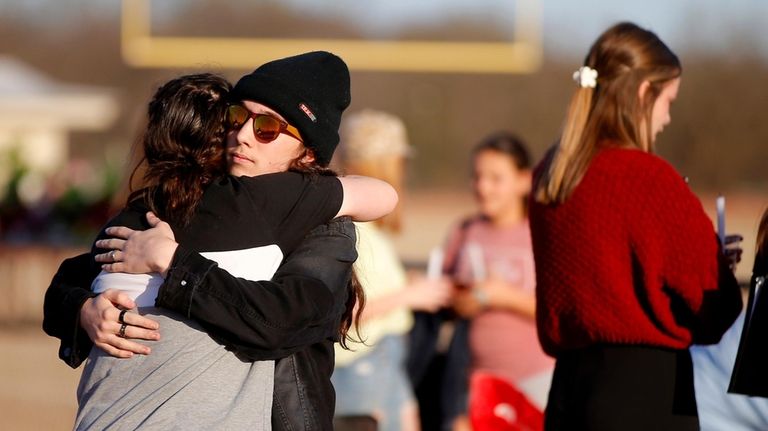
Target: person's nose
[(482, 188), (245, 134)]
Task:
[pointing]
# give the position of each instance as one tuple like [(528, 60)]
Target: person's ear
[(309, 156), (642, 91)]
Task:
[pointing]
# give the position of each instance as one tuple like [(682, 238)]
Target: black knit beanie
[(309, 90)]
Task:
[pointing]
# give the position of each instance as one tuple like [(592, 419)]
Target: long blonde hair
[(624, 57)]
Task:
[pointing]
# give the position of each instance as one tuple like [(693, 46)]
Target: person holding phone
[(629, 270), (494, 263)]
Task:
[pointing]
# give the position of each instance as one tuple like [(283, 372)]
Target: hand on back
[(100, 318), (139, 252)]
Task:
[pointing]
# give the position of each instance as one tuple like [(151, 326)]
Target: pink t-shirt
[(501, 342)]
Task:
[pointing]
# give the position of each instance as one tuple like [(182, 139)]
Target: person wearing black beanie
[(310, 90), (267, 124)]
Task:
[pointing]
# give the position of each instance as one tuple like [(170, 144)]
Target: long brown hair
[(355, 294), (184, 144), (624, 57)]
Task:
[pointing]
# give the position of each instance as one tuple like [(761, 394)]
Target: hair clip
[(586, 77)]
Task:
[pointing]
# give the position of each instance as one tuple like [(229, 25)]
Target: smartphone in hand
[(720, 208)]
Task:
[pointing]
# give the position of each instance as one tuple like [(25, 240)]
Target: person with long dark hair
[(245, 225)]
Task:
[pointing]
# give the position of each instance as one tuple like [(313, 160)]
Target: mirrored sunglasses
[(266, 127)]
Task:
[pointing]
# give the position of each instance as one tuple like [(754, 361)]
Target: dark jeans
[(439, 378)]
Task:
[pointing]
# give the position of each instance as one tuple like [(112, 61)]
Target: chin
[(488, 211), (237, 172)]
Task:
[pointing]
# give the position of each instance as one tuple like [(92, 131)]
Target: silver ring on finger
[(112, 255), (121, 334)]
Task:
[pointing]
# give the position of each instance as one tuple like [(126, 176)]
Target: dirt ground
[(38, 390)]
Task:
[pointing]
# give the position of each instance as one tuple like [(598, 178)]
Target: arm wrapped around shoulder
[(259, 320)]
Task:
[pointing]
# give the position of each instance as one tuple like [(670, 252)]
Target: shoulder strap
[(453, 260)]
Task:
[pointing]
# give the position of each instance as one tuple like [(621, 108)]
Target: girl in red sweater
[(629, 270)]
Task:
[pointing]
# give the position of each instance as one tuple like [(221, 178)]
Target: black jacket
[(293, 318), (750, 371)]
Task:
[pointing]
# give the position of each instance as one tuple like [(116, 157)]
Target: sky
[(570, 26), (716, 27)]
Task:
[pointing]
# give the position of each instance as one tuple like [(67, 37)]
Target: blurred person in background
[(500, 301), (629, 270), (296, 317), (370, 379), (718, 409), (741, 358)]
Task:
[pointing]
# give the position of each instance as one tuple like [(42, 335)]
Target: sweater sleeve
[(674, 243)]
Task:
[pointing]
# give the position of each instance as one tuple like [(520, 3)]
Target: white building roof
[(29, 99)]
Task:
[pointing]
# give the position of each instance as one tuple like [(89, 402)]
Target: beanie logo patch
[(308, 111)]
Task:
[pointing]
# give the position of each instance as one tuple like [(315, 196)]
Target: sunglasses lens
[(236, 116), (266, 127)]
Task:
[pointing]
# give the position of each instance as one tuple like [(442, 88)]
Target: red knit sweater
[(629, 258)]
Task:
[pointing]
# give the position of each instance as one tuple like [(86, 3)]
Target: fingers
[(444, 299), (730, 239), (119, 231), (131, 346), (109, 257), (121, 347), (115, 246), (734, 255), (114, 351), (107, 336), (126, 343), (118, 299), (99, 318), (152, 219), (111, 244), (136, 333), (121, 301), (155, 221), (138, 321), (114, 267)]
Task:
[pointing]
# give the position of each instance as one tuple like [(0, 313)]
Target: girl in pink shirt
[(490, 258)]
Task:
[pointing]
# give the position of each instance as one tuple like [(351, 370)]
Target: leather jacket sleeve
[(260, 320), (67, 293), (314, 279)]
